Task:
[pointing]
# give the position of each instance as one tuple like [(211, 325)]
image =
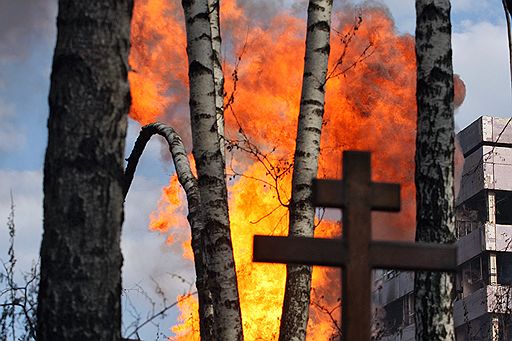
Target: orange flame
[(370, 107)]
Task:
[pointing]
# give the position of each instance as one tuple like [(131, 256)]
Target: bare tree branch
[(195, 215)]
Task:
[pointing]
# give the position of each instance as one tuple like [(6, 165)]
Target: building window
[(470, 215), (393, 318), (475, 330), (504, 264), (472, 275), (505, 327), (503, 208), (408, 304)]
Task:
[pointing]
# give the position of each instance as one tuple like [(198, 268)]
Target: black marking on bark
[(197, 69), (320, 25), (311, 102), (207, 181), (204, 36), (326, 49), (313, 6), (314, 130), (199, 16)]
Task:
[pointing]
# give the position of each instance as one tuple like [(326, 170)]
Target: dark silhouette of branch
[(160, 313), (17, 317), (346, 39), (330, 313), (509, 33)]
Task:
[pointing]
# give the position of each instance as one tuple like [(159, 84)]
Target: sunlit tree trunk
[(298, 277), (211, 174), (195, 216), (80, 288), (213, 7), (434, 164)]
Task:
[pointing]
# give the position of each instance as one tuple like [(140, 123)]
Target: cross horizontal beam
[(413, 256), (333, 252), (330, 193), (300, 250)]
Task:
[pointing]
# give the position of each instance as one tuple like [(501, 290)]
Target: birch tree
[(80, 287), (210, 166), (218, 74), (434, 164), (298, 277)]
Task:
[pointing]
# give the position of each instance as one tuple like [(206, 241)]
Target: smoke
[(22, 23), (262, 11)]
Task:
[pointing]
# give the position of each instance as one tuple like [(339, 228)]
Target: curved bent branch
[(178, 152), (195, 217)]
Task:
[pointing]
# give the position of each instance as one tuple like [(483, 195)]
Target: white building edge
[(483, 302)]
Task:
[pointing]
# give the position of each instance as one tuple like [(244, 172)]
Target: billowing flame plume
[(369, 106)]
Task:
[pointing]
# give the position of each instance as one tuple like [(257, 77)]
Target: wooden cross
[(356, 253)]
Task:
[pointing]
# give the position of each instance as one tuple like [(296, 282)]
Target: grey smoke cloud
[(24, 22), (262, 10)]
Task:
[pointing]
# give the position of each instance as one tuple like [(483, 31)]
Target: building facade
[(483, 303)]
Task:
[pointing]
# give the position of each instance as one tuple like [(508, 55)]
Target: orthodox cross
[(356, 253)]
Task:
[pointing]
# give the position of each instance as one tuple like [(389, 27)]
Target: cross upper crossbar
[(384, 197), (356, 253)]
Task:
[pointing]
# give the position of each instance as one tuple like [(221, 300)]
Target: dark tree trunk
[(434, 164), (79, 295)]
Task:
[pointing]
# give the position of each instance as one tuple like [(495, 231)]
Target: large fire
[(370, 107)]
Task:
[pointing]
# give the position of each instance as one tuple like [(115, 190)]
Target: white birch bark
[(210, 169), (218, 74), (298, 277), (434, 164), (195, 217)]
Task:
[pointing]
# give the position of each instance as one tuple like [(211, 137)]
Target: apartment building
[(483, 303)]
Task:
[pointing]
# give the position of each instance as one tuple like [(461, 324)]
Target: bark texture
[(434, 164), (211, 173), (80, 287), (195, 217), (295, 315), (218, 74)]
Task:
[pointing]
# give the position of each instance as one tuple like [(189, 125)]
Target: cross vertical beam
[(356, 277)]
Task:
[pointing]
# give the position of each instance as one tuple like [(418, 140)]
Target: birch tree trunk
[(195, 216), (80, 287), (210, 170), (302, 213), (434, 164), (218, 75)]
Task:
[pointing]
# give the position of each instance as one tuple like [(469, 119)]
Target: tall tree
[(219, 307), (434, 164), (302, 212), (218, 74), (210, 164), (80, 288)]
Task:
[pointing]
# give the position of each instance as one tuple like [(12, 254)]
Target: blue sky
[(27, 38)]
